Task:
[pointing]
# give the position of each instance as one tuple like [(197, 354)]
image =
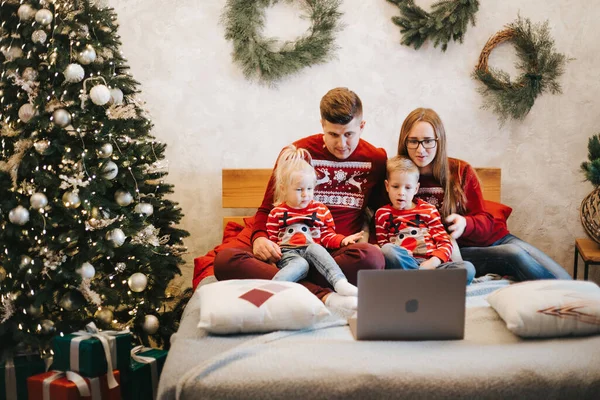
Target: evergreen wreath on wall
[(447, 21), (261, 58), (540, 63)]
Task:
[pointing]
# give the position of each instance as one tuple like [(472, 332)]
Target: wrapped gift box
[(64, 389), (87, 356), (146, 366), (13, 377)]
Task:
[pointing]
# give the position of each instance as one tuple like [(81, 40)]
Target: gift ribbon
[(107, 338), (82, 387), (147, 360), (10, 379)]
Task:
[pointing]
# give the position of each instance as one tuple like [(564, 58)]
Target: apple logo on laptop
[(412, 305)]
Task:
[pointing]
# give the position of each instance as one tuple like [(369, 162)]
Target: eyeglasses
[(426, 143)]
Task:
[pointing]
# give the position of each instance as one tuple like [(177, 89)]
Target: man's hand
[(352, 238), (432, 263), (266, 250), (458, 223)]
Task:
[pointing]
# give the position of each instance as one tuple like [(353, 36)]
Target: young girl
[(302, 227), (452, 185), (411, 234)]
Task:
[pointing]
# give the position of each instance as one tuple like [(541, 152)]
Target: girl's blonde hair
[(292, 161), (454, 197)]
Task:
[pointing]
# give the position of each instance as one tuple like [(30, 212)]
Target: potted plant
[(590, 206)]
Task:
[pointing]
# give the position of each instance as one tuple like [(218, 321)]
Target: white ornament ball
[(41, 146), (25, 261), (39, 36), (47, 326), (123, 198), (105, 315), (71, 200), (18, 215), (38, 200), (87, 55), (105, 150), (29, 74), (151, 324), (74, 73), (87, 270), (110, 170), (137, 282), (43, 17), (34, 311), (116, 237), (100, 95), (26, 12), (144, 208), (61, 117), (116, 96), (26, 112)]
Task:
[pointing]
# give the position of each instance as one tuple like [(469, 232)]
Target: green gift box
[(14, 374), (146, 366), (85, 353)]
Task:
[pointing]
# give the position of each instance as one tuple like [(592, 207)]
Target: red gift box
[(59, 387)]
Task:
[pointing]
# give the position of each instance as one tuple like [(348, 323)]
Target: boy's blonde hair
[(402, 164), (291, 161)]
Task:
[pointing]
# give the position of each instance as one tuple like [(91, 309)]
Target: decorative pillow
[(257, 305), (498, 210), (549, 308)]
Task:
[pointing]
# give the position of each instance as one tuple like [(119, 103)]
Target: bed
[(325, 362)]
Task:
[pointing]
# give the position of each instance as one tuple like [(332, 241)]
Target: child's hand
[(352, 238), (432, 263)]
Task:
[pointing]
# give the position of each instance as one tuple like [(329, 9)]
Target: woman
[(453, 186)]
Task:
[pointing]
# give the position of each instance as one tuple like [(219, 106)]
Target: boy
[(411, 235)]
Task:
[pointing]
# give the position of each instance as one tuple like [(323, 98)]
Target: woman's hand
[(266, 250), (352, 238), (458, 223)]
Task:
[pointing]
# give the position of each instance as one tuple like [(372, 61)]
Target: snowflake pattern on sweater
[(339, 183)]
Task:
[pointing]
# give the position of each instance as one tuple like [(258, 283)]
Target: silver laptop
[(410, 305)]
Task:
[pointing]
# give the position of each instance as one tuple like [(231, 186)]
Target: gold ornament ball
[(116, 237), (105, 315), (35, 311), (42, 146), (151, 324), (71, 200), (105, 150), (71, 301), (47, 326), (2, 274)]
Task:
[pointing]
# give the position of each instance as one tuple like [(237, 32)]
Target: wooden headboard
[(245, 188)]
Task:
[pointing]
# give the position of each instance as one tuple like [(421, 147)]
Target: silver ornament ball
[(123, 198), (29, 74), (105, 150), (26, 112), (144, 208), (18, 215), (87, 55), (47, 326), (105, 315), (26, 12), (116, 237), (110, 170), (151, 324), (25, 261), (42, 146), (100, 95), (74, 73), (87, 270), (137, 282), (43, 17), (38, 200), (116, 96), (71, 200), (39, 36), (61, 117)]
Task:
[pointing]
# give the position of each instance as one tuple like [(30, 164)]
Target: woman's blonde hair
[(454, 196), (291, 161)]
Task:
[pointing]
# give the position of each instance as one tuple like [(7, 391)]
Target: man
[(351, 174)]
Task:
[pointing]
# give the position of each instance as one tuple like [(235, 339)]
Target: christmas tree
[(87, 233)]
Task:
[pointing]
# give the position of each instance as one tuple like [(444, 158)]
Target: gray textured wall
[(211, 117)]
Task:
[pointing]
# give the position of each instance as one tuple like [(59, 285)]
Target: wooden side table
[(590, 254)]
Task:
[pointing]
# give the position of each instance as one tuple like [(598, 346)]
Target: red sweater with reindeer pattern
[(293, 227), (346, 187)]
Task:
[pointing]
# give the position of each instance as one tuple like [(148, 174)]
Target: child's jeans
[(296, 261), (397, 257)]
